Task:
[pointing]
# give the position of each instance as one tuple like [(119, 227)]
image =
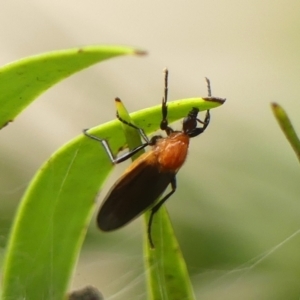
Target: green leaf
[(22, 81), (55, 211), (287, 127), (168, 276)]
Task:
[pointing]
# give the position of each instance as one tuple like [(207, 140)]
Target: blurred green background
[(238, 200)]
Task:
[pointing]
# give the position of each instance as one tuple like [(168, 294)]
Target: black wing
[(132, 194)]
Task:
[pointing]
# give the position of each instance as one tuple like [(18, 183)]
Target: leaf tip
[(140, 52), (5, 124), (275, 105), (277, 110)]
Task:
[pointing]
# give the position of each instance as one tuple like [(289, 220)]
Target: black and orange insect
[(148, 176)]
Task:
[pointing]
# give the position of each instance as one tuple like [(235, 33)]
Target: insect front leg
[(157, 207), (198, 130), (206, 120)]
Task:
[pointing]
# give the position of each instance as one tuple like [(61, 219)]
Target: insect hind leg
[(157, 207)]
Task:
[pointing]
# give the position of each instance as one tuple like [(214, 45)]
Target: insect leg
[(206, 120), (198, 130), (115, 160), (157, 207)]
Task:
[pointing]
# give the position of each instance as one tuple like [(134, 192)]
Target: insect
[(148, 176)]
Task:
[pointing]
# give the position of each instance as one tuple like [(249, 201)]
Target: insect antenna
[(208, 86), (164, 108), (207, 116)]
